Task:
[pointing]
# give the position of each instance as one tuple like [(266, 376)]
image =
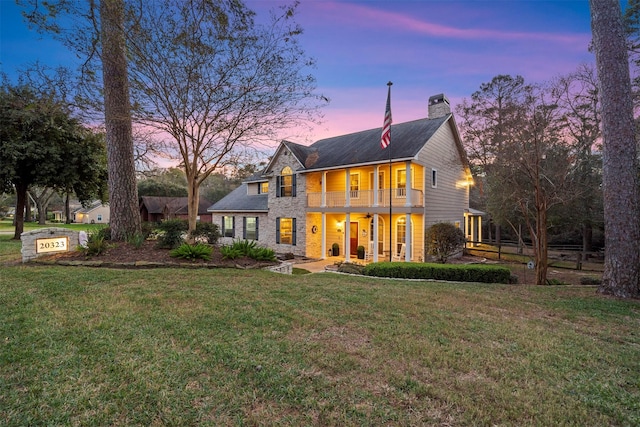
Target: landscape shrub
[(193, 252), (449, 272), (262, 254), (172, 233), (104, 233), (229, 252), (136, 240), (248, 248), (444, 240), (350, 268), (96, 244), (208, 231)]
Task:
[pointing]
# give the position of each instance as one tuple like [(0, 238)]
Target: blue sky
[(425, 47)]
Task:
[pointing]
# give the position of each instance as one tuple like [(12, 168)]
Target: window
[(250, 228), (263, 188), (99, 218), (228, 225), (286, 231), (286, 183), (401, 183), (381, 235), (434, 178), (401, 233), (354, 180)]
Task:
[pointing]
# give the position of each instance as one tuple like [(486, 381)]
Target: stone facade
[(30, 239), (287, 207)]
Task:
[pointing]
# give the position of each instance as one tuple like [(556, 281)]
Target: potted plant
[(335, 249), (360, 250)]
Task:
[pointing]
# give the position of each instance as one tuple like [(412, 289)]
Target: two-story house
[(347, 190)]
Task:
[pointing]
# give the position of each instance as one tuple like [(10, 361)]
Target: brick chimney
[(439, 106)]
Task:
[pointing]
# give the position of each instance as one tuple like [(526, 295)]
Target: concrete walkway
[(316, 266)]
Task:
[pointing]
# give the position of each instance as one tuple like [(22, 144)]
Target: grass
[(85, 346), (7, 226)]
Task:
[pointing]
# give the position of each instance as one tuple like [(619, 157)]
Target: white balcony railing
[(365, 198)]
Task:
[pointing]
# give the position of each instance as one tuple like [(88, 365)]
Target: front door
[(353, 238)]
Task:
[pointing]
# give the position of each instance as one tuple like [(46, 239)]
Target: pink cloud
[(367, 16)]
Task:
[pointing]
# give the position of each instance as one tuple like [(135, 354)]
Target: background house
[(157, 209), (96, 213)]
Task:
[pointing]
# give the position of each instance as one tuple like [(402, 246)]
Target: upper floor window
[(401, 182), (263, 188), (434, 178), (286, 183), (354, 183)]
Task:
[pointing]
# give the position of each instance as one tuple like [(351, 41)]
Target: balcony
[(365, 198)]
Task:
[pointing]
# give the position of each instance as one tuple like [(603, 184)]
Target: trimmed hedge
[(450, 272)]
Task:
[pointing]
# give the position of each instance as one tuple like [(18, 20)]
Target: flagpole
[(389, 84)]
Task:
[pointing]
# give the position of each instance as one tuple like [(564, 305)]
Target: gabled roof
[(407, 139), (175, 205), (94, 205), (239, 201)]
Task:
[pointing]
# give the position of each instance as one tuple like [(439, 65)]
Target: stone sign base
[(45, 241)]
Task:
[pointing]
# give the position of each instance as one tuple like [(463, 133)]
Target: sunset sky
[(424, 47)]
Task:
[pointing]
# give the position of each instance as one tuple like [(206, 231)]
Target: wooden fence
[(559, 256)]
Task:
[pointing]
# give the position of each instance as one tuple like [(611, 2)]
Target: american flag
[(386, 128)]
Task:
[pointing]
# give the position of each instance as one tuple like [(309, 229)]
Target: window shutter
[(277, 230), (278, 190), (293, 231), (233, 226), (257, 226), (293, 184), (222, 227), (244, 227)]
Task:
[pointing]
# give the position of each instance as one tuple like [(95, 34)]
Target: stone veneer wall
[(28, 238), (287, 207)]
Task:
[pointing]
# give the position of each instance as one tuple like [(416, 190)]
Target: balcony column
[(375, 236), (409, 184), (347, 188), (376, 185), (323, 202), (347, 237), (408, 241), (324, 231)]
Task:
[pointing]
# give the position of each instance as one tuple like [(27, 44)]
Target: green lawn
[(84, 346), (7, 226)]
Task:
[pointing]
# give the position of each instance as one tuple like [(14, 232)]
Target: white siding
[(448, 201)]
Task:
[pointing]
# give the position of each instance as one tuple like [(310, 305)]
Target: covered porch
[(382, 237)]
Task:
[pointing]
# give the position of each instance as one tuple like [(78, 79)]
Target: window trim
[(434, 178)]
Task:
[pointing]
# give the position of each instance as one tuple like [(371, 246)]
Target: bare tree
[(577, 97), (515, 134), (620, 154), (217, 82)]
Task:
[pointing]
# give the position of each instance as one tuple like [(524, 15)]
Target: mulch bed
[(122, 254)]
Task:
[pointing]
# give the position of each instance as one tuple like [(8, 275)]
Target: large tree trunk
[(123, 193), (27, 207), (67, 208), (542, 251), (620, 166), (193, 200), (21, 202)]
